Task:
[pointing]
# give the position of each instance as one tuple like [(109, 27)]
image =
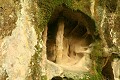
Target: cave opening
[(69, 35)]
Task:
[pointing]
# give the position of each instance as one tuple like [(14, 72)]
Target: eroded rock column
[(59, 41)]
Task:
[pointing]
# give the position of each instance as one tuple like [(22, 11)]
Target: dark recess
[(111, 5), (77, 25)]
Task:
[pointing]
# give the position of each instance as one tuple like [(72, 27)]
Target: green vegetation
[(91, 77), (47, 7), (97, 50), (35, 67), (85, 76), (44, 77), (35, 64), (96, 56)]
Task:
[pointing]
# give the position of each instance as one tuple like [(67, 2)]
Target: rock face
[(78, 39), (116, 69), (16, 50)]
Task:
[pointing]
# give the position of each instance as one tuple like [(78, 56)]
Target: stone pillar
[(59, 41)]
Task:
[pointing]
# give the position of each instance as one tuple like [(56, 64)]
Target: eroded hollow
[(69, 35)]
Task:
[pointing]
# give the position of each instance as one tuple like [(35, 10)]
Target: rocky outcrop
[(72, 39), (16, 50)]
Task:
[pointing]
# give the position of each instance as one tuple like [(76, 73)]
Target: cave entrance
[(69, 35)]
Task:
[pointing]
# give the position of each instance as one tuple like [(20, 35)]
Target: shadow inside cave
[(69, 36)]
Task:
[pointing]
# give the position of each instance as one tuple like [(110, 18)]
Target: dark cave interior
[(77, 27)]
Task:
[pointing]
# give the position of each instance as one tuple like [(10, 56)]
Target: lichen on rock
[(42, 39)]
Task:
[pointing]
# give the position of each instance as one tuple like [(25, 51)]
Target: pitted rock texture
[(17, 49)]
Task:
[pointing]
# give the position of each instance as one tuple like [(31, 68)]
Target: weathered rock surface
[(16, 50), (80, 38)]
